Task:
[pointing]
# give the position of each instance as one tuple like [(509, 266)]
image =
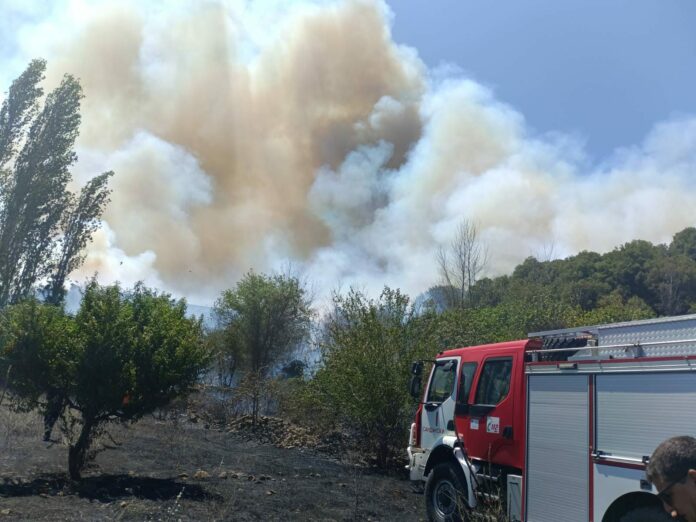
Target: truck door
[(438, 409), (488, 426)]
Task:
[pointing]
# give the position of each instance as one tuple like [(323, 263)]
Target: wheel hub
[(445, 499)]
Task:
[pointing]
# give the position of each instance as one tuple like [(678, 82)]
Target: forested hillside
[(635, 280)]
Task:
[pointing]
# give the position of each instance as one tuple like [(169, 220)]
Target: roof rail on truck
[(660, 337)]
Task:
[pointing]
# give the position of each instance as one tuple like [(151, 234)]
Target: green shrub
[(123, 355)]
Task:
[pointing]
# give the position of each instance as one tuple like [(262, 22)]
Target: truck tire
[(646, 514), (444, 494)]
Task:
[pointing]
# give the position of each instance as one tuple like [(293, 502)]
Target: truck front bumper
[(417, 458)]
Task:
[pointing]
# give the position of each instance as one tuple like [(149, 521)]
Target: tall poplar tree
[(43, 226)]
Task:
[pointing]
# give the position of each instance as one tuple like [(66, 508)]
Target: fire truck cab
[(558, 426)]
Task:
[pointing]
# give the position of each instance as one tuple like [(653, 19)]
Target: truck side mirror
[(415, 386), (417, 368), (416, 379)]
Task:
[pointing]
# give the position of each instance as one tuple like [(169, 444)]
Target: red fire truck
[(556, 427)]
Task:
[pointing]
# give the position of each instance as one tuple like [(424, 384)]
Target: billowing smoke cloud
[(257, 134)]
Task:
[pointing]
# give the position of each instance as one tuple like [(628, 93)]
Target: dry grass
[(15, 425), (488, 514), (491, 511)]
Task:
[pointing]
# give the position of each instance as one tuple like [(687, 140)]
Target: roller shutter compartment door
[(637, 411), (557, 449)]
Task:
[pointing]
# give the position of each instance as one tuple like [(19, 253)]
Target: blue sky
[(605, 71)]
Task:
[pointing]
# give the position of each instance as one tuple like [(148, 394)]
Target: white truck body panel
[(640, 389), (634, 411), (612, 482)]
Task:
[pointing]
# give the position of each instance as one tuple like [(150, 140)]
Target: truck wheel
[(444, 494), (646, 514)]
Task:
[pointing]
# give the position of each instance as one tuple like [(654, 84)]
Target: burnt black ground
[(151, 476)]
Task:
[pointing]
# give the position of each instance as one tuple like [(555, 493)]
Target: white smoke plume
[(252, 134)]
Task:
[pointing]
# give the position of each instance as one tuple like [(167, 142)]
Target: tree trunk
[(382, 452), (255, 406), (77, 453)]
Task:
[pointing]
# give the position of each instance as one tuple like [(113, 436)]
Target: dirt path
[(153, 476)]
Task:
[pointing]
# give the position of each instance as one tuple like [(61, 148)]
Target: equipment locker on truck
[(558, 426)]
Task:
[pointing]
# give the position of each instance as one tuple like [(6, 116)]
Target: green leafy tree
[(122, 356), (42, 227), (36, 347), (79, 222), (529, 308), (684, 242), (614, 308), (658, 276), (263, 319), (367, 350), (672, 280), (626, 268), (226, 356)]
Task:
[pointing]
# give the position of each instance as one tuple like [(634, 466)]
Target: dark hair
[(672, 459)]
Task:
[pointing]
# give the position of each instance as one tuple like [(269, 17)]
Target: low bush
[(123, 355)]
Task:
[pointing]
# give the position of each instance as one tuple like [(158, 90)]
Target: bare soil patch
[(174, 469)]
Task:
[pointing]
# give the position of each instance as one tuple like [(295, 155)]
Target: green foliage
[(671, 280), (662, 277), (539, 310), (225, 356), (138, 345), (626, 268), (78, 223), (367, 349), (43, 227), (264, 317), (368, 345), (37, 344), (684, 243), (613, 309), (262, 320), (509, 320), (122, 356)]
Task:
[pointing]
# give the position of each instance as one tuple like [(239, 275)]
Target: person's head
[(672, 469)]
